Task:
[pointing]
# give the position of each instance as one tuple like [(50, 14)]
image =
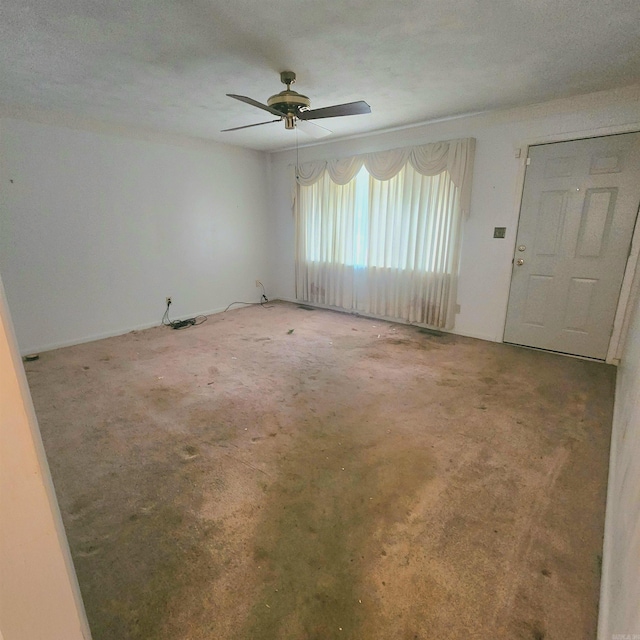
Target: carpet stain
[(335, 489), (163, 398), (156, 557)]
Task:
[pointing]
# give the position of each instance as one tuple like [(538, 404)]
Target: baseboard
[(111, 334), (454, 331), (155, 323), (604, 605)]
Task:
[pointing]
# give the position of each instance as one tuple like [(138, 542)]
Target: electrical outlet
[(168, 299), (258, 283)]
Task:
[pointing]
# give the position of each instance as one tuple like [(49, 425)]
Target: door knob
[(520, 262)]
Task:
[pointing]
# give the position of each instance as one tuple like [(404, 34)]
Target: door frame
[(631, 277)]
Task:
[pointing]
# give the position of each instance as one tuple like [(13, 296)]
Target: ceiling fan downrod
[(288, 78)]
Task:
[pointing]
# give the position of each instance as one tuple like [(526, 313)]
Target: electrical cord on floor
[(263, 299), (181, 324), (261, 303)]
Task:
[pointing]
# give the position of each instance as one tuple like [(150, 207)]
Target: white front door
[(578, 212)]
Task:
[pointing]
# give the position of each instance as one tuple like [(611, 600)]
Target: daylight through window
[(388, 247)]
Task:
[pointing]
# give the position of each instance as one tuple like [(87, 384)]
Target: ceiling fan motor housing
[(289, 101)]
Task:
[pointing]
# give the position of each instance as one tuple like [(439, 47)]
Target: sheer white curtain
[(413, 248), (384, 239), (326, 242)]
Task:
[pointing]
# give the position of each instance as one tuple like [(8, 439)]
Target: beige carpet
[(352, 479)]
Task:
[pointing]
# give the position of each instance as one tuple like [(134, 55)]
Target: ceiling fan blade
[(312, 129), (255, 103), (247, 126), (348, 109)]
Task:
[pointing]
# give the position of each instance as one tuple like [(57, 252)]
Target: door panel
[(579, 304), (579, 207), (597, 215), (553, 205), (537, 295)]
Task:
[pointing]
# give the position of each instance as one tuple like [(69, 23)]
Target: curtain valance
[(454, 156)]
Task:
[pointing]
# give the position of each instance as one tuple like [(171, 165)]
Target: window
[(387, 246)]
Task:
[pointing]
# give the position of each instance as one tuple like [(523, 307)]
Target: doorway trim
[(631, 277)]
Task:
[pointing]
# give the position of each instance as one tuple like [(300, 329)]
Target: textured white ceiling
[(167, 64)]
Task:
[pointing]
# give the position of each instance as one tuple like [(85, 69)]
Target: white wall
[(486, 263), (96, 229), (620, 588), (39, 595)]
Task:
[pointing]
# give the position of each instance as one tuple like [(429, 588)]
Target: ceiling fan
[(295, 109)]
